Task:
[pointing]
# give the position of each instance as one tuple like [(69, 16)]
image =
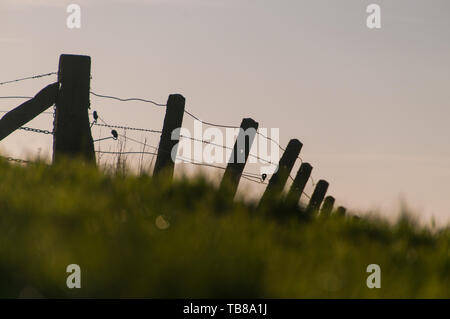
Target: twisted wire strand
[(2, 111), (125, 153), (29, 78), (35, 130), (209, 123), (16, 97), (127, 99), (127, 128)]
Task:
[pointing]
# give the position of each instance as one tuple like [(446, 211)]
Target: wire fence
[(193, 116), (29, 78), (253, 177), (16, 160)]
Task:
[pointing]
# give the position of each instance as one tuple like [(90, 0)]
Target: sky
[(369, 105)]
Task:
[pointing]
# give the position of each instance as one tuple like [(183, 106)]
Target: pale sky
[(370, 106)]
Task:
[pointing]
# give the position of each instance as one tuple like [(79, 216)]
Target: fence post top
[(323, 183), (249, 123), (295, 144), (74, 56), (306, 165), (80, 64), (176, 97)]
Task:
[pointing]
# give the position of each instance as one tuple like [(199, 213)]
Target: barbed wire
[(162, 105), (16, 97), (292, 179), (35, 130), (253, 177), (125, 153), (148, 130), (138, 142), (227, 148), (17, 160), (254, 180), (105, 138), (29, 78), (50, 113), (246, 175), (209, 123), (307, 196), (181, 136), (196, 118), (283, 149), (257, 132), (128, 128), (127, 99), (271, 140), (159, 104), (198, 140)]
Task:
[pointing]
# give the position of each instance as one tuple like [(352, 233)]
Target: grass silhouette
[(137, 236)]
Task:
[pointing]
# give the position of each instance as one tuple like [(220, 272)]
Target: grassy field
[(134, 236)]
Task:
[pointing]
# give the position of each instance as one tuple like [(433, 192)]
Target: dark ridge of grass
[(138, 236)]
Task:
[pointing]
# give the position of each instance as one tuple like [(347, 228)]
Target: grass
[(136, 236)]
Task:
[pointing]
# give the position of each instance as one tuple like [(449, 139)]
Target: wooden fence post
[(299, 184), (317, 197), (72, 132), (27, 111), (239, 156), (173, 120), (327, 206), (279, 179), (341, 211)]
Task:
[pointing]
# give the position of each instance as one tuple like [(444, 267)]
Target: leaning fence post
[(279, 179), (168, 144), (72, 133), (28, 110), (317, 196), (327, 206), (239, 156), (341, 211), (299, 184)]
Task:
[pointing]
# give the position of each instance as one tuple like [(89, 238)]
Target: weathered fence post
[(317, 197), (173, 120), (341, 211), (239, 156), (279, 179), (72, 133), (27, 111), (299, 184), (327, 206)]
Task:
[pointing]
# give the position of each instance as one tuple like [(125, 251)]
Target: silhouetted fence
[(72, 136)]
